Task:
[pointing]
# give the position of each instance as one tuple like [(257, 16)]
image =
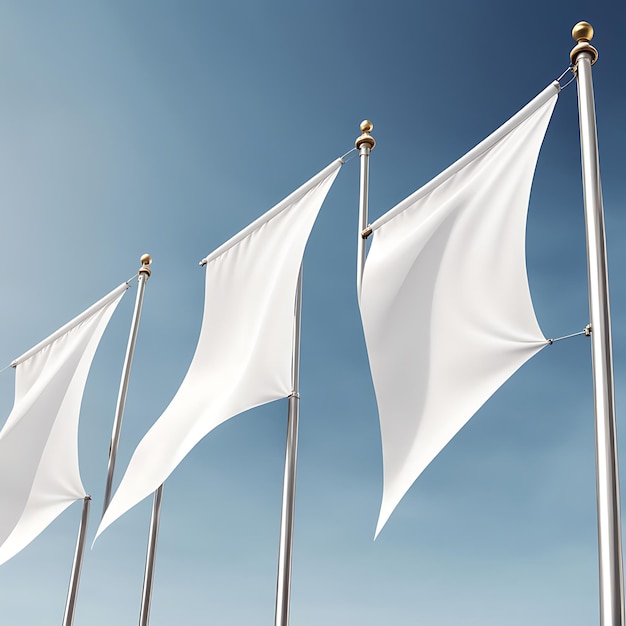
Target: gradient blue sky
[(166, 127)]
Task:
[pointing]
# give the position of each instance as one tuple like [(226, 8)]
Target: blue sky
[(163, 127)]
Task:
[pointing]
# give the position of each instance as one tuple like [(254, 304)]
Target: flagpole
[(143, 275), (70, 605), (583, 56), (364, 144), (283, 583), (148, 576)]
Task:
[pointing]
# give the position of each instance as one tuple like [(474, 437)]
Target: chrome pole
[(364, 144), (72, 593), (285, 547), (607, 477), (143, 275), (148, 577)]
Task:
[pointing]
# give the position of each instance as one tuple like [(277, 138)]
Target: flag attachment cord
[(350, 153), (571, 80), (586, 331)]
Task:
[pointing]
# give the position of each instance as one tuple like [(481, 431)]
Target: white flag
[(244, 353), (39, 473), (445, 302)]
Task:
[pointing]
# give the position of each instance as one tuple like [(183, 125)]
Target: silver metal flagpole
[(283, 584), (148, 576), (70, 605), (364, 144), (607, 479), (143, 275)]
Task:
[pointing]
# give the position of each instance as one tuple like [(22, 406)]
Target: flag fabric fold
[(445, 303), (39, 471), (244, 354)]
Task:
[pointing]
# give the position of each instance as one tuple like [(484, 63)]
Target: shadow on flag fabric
[(445, 302), (244, 354), (39, 473)]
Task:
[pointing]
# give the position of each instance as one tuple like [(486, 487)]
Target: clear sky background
[(166, 127)]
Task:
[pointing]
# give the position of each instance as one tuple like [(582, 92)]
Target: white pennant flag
[(445, 303), (39, 473), (244, 353)]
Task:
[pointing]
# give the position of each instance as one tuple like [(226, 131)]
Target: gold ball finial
[(146, 260), (583, 31), (583, 34), (365, 138)]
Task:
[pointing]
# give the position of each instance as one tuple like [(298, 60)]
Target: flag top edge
[(112, 295), (278, 208), (550, 91)]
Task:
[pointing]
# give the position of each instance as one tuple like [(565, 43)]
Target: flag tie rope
[(586, 331), (569, 69), (349, 154)]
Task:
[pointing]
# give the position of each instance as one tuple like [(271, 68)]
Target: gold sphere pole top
[(365, 138), (146, 259), (583, 34)]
